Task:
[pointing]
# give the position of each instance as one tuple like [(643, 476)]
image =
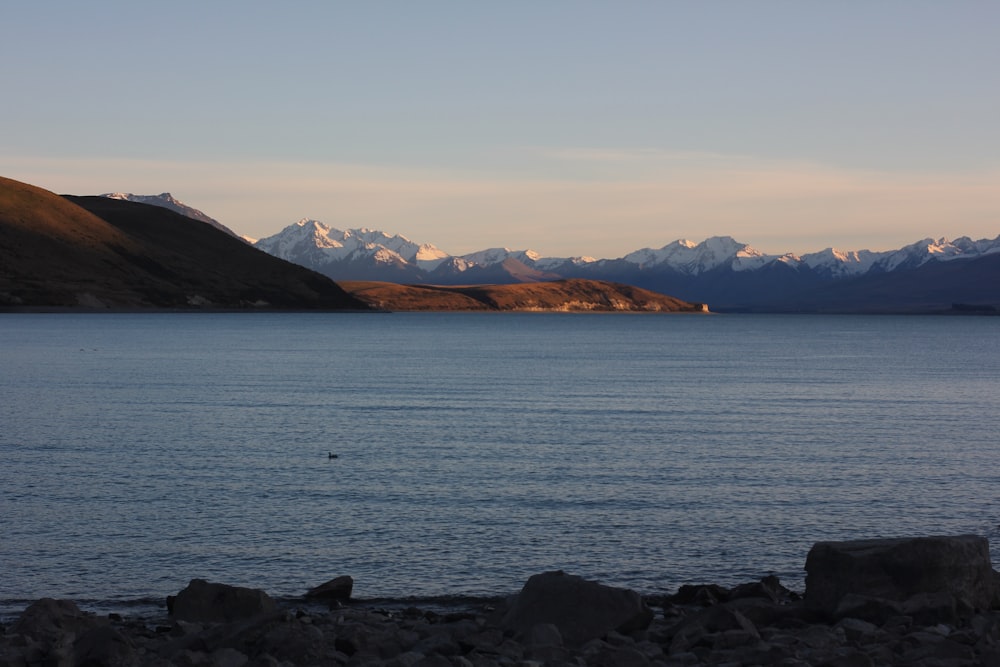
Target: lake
[(140, 451)]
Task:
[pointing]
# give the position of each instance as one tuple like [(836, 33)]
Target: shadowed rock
[(336, 590), (581, 610), (56, 632), (48, 618), (897, 570), (206, 602)]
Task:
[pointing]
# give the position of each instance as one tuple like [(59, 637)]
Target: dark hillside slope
[(94, 252)]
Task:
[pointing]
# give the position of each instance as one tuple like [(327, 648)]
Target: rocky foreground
[(930, 601)]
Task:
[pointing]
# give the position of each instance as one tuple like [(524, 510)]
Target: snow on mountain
[(493, 256), (550, 263), (317, 243), (923, 251), (981, 247), (166, 200), (840, 264), (455, 265), (733, 272), (718, 270), (692, 259)]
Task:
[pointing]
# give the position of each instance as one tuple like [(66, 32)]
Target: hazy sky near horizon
[(571, 127)]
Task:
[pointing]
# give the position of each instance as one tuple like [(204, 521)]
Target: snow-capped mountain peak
[(168, 201), (492, 256), (692, 258), (365, 254), (840, 263), (922, 251), (317, 244)]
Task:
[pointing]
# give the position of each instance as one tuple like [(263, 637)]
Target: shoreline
[(923, 601), (154, 609), (556, 619)]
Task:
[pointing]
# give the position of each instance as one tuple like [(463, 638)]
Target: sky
[(569, 127)]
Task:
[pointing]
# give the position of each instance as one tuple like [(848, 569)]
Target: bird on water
[(331, 456)]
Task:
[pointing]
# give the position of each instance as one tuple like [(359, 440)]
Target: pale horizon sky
[(567, 127)]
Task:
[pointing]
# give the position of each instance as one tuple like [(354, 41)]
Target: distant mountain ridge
[(720, 270)]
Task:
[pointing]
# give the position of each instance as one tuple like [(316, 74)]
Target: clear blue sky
[(568, 127)]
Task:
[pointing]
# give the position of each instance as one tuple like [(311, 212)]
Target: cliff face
[(96, 252), (575, 295)]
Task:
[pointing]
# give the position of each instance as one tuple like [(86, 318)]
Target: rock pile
[(930, 602)]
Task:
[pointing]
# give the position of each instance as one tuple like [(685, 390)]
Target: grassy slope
[(56, 253), (563, 295)]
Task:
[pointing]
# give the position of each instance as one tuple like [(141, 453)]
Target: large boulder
[(56, 632), (901, 569), (206, 602), (581, 610), (48, 620), (335, 590)]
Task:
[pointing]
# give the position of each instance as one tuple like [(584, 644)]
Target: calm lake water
[(139, 451)]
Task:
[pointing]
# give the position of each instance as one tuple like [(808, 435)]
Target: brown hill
[(575, 295), (95, 252)]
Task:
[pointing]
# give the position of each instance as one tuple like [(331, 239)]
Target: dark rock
[(433, 661), (702, 594), (297, 643), (722, 618), (345, 646), (56, 632), (849, 658), (543, 634), (104, 646), (762, 612), (925, 647), (615, 656), (335, 590), (207, 602), (227, 657), (703, 628), (938, 607), (582, 610), (867, 608), (48, 619), (898, 569), (856, 629), (769, 588), (438, 644), (731, 639)]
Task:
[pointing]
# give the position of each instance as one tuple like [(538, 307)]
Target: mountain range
[(928, 275), (129, 252)]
